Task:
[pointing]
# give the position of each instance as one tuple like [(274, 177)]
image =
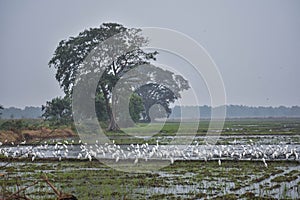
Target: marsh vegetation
[(184, 178)]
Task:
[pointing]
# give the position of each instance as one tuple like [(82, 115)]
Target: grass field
[(182, 180), (232, 127)]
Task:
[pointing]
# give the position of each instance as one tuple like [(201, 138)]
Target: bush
[(14, 125)]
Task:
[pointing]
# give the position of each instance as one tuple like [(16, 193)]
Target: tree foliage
[(1, 108), (70, 55), (153, 94), (73, 54), (14, 125), (135, 107), (58, 110)]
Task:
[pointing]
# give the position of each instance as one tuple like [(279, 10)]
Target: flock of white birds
[(137, 152)]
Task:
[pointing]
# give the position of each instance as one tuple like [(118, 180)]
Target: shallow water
[(180, 180), (170, 152)]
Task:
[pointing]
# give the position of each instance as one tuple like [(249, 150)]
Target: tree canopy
[(153, 93), (58, 110), (123, 55)]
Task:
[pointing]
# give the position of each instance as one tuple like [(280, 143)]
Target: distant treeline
[(235, 111), (190, 112), (17, 113)]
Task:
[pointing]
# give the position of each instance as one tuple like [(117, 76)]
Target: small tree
[(1, 108), (135, 107), (58, 111), (153, 93)]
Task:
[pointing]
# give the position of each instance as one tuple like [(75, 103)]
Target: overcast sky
[(255, 44)]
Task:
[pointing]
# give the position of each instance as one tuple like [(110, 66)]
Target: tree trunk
[(112, 126), (147, 119)]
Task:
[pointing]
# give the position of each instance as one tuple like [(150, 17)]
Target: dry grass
[(35, 135)]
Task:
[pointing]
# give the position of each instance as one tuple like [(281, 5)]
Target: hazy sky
[(255, 44)]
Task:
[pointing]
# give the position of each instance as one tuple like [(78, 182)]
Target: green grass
[(242, 127), (231, 127), (93, 180), (165, 132)]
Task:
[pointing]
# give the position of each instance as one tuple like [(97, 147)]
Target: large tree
[(73, 54), (70, 55)]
